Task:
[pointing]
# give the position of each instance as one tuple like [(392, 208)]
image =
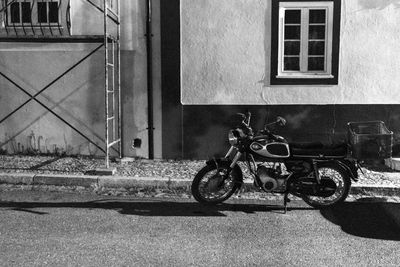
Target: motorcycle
[(319, 174)]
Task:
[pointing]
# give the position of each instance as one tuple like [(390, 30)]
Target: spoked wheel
[(213, 186), (336, 184)]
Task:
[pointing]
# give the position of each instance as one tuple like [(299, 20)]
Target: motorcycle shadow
[(368, 217), (151, 207)]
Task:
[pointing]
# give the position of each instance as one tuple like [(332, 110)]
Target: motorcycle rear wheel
[(342, 181), (210, 186)]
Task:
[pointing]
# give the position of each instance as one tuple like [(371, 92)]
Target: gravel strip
[(174, 169), (81, 165)]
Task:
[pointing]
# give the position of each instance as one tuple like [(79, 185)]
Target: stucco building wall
[(215, 62), (226, 50)]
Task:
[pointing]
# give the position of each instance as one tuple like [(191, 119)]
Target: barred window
[(33, 12)]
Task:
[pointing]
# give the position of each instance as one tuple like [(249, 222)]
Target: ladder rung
[(110, 91), (113, 143), (110, 118), (112, 38), (110, 64)]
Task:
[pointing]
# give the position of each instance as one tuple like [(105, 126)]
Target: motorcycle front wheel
[(213, 186), (340, 178)]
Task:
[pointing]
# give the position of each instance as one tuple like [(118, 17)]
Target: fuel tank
[(271, 149)]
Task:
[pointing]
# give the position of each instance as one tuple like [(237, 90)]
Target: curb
[(16, 178), (92, 180), (62, 180), (154, 182), (386, 190)]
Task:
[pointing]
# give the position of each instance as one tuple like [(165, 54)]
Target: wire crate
[(370, 140)]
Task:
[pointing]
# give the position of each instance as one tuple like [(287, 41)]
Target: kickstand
[(285, 201)]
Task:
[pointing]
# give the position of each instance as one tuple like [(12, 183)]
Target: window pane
[(317, 16), (316, 48), (292, 17), (316, 32), (14, 11), (292, 63), (26, 12), (316, 63), (53, 12), (292, 48), (292, 32), (42, 12)]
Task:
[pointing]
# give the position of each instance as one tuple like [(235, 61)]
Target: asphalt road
[(71, 229)]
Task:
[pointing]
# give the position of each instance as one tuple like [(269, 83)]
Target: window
[(20, 12), (305, 42), (33, 12), (47, 12)]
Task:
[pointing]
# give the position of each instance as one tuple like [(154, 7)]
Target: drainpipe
[(149, 50)]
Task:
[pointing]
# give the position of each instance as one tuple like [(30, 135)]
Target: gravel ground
[(182, 169), (84, 165)]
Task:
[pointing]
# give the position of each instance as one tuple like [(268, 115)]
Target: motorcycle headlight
[(233, 140)]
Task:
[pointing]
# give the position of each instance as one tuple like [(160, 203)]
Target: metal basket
[(370, 140)]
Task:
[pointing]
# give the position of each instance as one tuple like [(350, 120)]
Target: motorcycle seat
[(318, 149), (310, 145)]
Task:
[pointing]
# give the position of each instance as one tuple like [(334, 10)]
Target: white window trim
[(305, 6), (34, 14)]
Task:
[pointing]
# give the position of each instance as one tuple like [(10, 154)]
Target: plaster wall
[(226, 49), (206, 138), (79, 96)]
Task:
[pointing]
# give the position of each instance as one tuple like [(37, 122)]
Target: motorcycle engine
[(272, 179)]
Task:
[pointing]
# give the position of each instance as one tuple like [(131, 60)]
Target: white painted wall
[(226, 55)]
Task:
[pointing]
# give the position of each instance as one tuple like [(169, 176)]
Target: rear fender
[(347, 166), (350, 168), (236, 171)]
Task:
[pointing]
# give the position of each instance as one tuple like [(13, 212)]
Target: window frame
[(34, 14), (332, 34)]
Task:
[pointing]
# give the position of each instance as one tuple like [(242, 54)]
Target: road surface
[(74, 229)]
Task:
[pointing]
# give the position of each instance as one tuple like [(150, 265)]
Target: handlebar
[(245, 118), (279, 120)]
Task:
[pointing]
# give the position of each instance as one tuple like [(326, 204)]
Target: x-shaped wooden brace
[(33, 97)]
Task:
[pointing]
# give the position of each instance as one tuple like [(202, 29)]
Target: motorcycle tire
[(341, 178), (200, 193)]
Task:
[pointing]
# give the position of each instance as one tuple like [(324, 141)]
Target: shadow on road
[(367, 218), (148, 208)]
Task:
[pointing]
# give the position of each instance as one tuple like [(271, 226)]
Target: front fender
[(236, 171)]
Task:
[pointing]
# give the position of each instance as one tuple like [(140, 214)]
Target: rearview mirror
[(242, 116), (281, 121)]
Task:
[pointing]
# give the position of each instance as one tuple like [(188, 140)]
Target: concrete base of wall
[(393, 163)]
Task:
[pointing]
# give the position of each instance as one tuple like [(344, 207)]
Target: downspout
[(149, 50)]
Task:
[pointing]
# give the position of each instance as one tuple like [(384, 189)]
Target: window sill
[(44, 25), (304, 79), (309, 76)]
